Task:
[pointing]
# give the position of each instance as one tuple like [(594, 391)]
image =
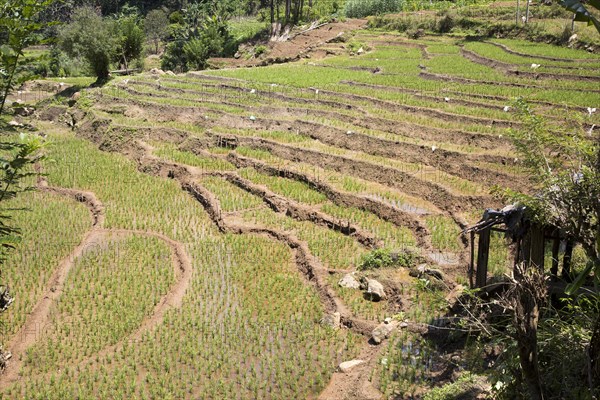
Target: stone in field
[(349, 281), (348, 365)]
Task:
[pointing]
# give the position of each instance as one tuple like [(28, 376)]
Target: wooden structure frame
[(530, 244)]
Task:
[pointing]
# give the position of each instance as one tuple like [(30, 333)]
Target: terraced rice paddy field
[(189, 236)]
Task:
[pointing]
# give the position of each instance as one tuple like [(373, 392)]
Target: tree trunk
[(529, 292), (594, 355), (272, 12), (288, 10)]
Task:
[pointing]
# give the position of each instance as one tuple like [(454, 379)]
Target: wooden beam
[(537, 247), (566, 270), (555, 248), (472, 261), (483, 252)]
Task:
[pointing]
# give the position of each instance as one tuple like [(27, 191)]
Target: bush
[(364, 8), (260, 49), (379, 258), (132, 40), (92, 38), (445, 24)]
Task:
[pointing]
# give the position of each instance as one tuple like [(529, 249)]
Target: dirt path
[(309, 265), (299, 45), (38, 320), (355, 384)]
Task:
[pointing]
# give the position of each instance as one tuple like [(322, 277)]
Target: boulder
[(348, 365), (24, 111), (349, 281), (424, 269), (157, 71), (383, 331), (375, 290), (332, 320)]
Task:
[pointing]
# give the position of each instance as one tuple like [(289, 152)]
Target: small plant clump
[(385, 258)]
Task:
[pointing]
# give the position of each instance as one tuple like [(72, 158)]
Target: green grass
[(171, 152), (444, 233)]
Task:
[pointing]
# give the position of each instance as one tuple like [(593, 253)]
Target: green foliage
[(452, 390), (201, 37), (566, 168), (131, 39), (379, 258), (385, 258), (93, 38), (445, 24), (156, 26), (15, 160), (259, 50), (581, 12), (18, 27), (364, 8)]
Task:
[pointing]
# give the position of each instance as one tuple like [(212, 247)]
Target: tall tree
[(566, 168), (93, 38), (156, 26)]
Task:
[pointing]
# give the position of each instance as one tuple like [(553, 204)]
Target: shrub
[(258, 50), (91, 37), (379, 258), (156, 26), (131, 40), (364, 8), (445, 24)]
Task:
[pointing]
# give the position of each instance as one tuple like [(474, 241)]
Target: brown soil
[(395, 107), (355, 384), (406, 129), (298, 46)]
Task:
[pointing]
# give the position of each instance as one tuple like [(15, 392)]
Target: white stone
[(349, 281), (348, 365)]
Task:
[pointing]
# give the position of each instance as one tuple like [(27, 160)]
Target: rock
[(348, 365), (403, 325), (170, 73), (349, 281), (24, 111), (383, 331), (157, 71), (237, 55), (360, 51), (332, 320), (15, 124), (424, 269), (375, 290)]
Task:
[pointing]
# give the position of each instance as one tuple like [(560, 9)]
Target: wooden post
[(555, 248), (472, 261), (566, 270), (483, 252), (537, 246), (533, 247)]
